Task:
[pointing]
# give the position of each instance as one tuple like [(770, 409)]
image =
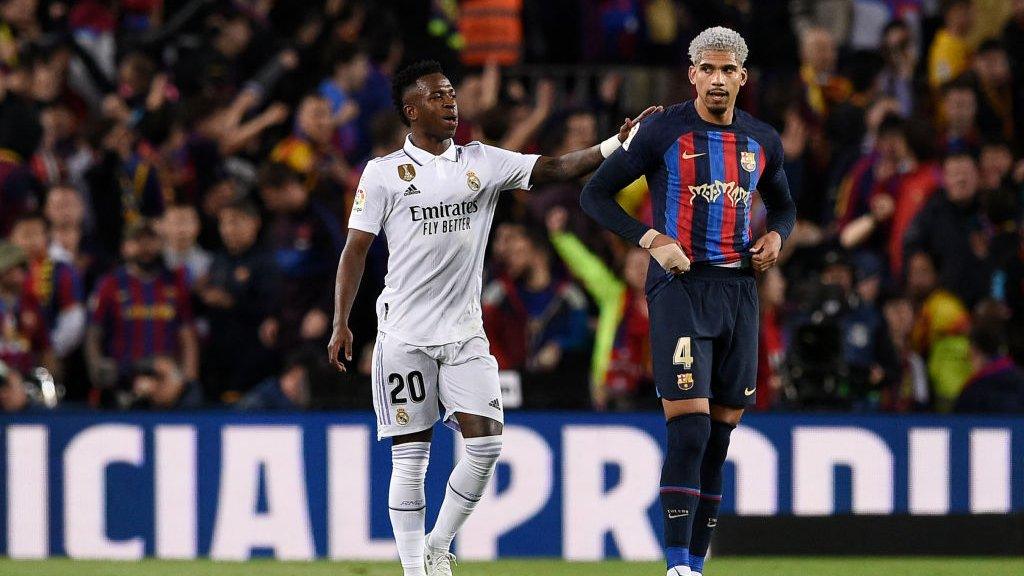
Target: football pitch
[(761, 566)]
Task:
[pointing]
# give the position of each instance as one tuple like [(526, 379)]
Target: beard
[(150, 265), (715, 105)]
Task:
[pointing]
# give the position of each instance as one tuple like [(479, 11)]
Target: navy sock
[(706, 518), (680, 482)]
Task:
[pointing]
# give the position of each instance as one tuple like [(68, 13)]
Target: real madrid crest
[(748, 161), (407, 172), (402, 417), (472, 181), (685, 381)]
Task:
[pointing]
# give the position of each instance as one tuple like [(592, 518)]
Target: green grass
[(766, 566)]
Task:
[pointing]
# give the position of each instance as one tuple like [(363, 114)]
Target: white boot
[(440, 563)]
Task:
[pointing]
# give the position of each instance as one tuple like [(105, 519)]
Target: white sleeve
[(371, 203), (512, 170)]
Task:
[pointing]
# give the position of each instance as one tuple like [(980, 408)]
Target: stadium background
[(218, 143)]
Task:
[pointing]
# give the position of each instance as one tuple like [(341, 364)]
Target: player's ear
[(410, 112), (743, 76), (692, 73)]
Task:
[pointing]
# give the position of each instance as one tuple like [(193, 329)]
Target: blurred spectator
[(158, 384), (951, 228), (351, 69), (620, 370), (55, 285), (241, 296), (179, 228), (907, 389), (995, 164), (959, 126), (950, 54), (537, 324), (289, 391), (310, 151), (771, 342), (24, 338), (993, 85), (140, 310), (883, 192), (124, 185), (900, 53), (997, 385), (13, 395), (305, 240), (939, 333)]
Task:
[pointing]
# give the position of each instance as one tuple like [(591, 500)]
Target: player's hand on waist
[(666, 251), (766, 251), (341, 339)]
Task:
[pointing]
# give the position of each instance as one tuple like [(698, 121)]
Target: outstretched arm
[(575, 164), (350, 272)]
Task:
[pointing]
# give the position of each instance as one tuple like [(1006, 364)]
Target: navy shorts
[(704, 332)]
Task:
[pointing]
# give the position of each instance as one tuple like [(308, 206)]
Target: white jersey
[(436, 213)]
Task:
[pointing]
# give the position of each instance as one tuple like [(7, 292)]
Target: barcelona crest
[(748, 161)]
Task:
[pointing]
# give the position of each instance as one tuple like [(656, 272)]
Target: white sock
[(465, 488), (407, 503)]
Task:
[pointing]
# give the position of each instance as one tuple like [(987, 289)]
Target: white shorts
[(412, 383)]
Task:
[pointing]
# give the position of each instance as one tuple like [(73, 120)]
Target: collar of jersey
[(421, 156)]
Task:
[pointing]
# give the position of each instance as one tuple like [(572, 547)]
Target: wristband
[(610, 145), (648, 238)]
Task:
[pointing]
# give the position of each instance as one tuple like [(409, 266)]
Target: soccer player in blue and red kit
[(703, 159)]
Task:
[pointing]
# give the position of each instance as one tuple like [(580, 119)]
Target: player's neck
[(429, 143), (706, 115)]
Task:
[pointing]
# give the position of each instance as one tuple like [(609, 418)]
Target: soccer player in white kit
[(435, 202)]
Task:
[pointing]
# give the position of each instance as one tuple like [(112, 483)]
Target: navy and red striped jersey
[(701, 177), (56, 285), (140, 317)]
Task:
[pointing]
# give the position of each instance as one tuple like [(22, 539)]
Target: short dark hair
[(892, 124), (988, 338), (991, 45), (276, 175), (406, 78), (33, 216), (242, 206), (947, 5)]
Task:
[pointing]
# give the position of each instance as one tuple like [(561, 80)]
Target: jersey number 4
[(682, 354), (417, 391)]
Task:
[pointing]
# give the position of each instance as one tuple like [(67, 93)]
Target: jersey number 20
[(416, 389)]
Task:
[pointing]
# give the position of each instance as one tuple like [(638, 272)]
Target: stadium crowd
[(176, 176)]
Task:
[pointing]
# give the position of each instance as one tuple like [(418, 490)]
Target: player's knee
[(409, 463), (482, 454), (688, 435)]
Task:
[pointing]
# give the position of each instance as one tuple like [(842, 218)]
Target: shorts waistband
[(709, 271)]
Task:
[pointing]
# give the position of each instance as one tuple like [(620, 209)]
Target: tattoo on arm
[(568, 167)]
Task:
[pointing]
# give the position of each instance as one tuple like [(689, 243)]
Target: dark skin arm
[(350, 272), (581, 162)]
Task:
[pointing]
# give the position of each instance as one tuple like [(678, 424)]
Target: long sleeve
[(638, 154), (774, 190)]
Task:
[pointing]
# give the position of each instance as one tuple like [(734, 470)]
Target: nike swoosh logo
[(749, 391), (672, 516), (688, 156)]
